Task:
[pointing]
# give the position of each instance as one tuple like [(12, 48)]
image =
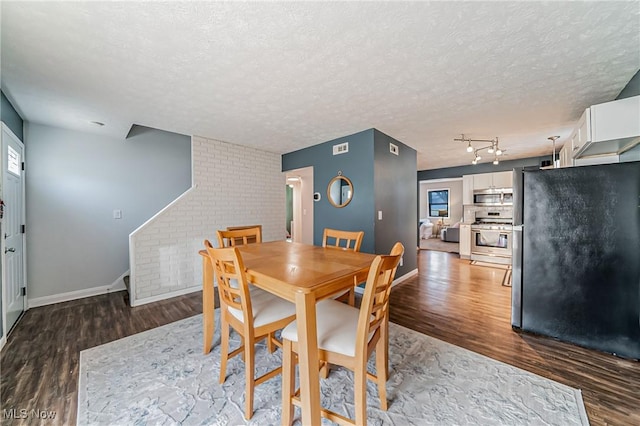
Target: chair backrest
[(240, 236), (233, 288), (349, 240), (375, 302)]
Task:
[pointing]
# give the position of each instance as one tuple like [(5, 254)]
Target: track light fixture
[(492, 148)]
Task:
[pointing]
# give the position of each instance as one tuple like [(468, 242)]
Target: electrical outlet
[(401, 260), (117, 214)]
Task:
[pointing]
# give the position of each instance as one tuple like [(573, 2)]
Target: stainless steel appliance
[(491, 235), (576, 275), (493, 197)]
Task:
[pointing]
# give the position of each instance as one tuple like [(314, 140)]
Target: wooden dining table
[(302, 274)]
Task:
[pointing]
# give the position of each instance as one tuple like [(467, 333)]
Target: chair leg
[(381, 374), (288, 381), (224, 349), (360, 391), (270, 345), (325, 367), (249, 371), (352, 296), (384, 337)]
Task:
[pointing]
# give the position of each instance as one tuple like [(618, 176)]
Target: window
[(13, 161), (439, 203)]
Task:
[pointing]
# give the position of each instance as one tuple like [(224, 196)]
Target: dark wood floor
[(449, 299)]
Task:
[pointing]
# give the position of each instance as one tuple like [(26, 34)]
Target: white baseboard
[(360, 290), (117, 285), (138, 302)]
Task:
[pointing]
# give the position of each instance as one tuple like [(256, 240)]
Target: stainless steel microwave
[(493, 197)]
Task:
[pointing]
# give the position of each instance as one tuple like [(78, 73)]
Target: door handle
[(10, 249)]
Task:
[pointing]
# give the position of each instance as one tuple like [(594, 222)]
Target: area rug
[(438, 245), (161, 377)]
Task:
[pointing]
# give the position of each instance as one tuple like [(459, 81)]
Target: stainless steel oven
[(491, 243)]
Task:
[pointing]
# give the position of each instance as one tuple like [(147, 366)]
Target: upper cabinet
[(566, 154), (493, 180), (502, 179), (610, 128), (484, 181), (467, 189)]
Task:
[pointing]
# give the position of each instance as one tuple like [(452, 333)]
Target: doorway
[(12, 230), (300, 204)]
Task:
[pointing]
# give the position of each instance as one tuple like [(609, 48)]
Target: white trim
[(164, 296), (117, 285), (410, 274), (3, 341)]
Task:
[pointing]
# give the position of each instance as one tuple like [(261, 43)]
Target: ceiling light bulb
[(478, 158), (498, 151), (474, 162), (490, 150), (496, 162), (469, 147)]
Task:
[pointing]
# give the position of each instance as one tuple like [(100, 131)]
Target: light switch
[(379, 214), (117, 214)]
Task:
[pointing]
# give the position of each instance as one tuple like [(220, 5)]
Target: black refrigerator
[(576, 255)]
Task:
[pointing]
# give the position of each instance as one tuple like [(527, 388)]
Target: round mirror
[(340, 191)]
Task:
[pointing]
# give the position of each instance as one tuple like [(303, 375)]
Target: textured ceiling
[(284, 76)]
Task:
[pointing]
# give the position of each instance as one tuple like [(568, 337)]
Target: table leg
[(308, 358), (208, 304)]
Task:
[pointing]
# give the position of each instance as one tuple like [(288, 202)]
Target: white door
[(12, 248)]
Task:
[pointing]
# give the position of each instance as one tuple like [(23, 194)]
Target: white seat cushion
[(267, 308), (337, 325)]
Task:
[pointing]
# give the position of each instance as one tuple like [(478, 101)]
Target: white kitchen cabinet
[(483, 181), (467, 189), (502, 179), (583, 130), (493, 180), (566, 159), (465, 241), (610, 128)]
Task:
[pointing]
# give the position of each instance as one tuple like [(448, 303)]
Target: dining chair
[(347, 336), (344, 240), (240, 235), (255, 316)]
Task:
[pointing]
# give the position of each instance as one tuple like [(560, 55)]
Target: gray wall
[(395, 195), (357, 165), (454, 172), (632, 88), (74, 181), (10, 116)]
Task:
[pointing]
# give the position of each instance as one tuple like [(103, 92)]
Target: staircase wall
[(232, 185)]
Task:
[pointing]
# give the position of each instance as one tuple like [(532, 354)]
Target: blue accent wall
[(357, 165), (381, 181), (10, 116)]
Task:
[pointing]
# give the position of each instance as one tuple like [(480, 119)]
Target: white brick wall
[(232, 185)]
